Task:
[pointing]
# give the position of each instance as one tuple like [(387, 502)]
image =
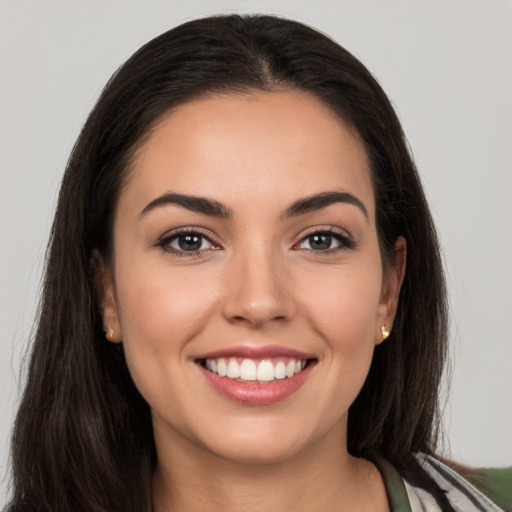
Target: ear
[(105, 297), (391, 284)]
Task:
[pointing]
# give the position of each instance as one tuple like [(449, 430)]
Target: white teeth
[(249, 370), (265, 371), (280, 370), (233, 369), (222, 368), (290, 368)]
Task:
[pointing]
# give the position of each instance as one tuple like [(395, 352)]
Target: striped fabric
[(494, 493)]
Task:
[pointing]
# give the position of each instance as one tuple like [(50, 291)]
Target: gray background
[(447, 67)]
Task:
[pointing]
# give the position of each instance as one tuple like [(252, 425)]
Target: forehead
[(250, 146)]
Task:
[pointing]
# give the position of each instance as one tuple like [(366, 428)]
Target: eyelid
[(343, 236), (164, 241)]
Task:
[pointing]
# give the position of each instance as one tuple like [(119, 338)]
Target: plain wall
[(445, 65)]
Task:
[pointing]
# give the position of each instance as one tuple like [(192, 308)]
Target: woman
[(235, 313)]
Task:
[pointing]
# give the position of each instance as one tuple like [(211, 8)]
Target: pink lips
[(252, 352), (257, 393)]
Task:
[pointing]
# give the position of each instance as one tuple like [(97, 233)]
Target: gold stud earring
[(384, 333), (109, 334)]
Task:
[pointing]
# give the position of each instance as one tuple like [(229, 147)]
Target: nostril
[(255, 320)]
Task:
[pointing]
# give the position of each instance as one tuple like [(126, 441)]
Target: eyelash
[(346, 242), (164, 243)]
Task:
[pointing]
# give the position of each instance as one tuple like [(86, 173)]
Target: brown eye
[(326, 241), (320, 242), (188, 242)]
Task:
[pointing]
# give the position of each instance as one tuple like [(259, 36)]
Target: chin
[(261, 442), (257, 452)]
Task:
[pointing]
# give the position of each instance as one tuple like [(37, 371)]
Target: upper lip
[(257, 352)]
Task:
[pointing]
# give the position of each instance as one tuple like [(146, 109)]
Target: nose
[(258, 290)]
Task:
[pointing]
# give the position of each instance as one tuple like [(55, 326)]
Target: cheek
[(154, 299), (340, 309), (160, 311), (343, 306)]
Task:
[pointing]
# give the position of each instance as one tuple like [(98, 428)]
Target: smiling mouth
[(265, 370)]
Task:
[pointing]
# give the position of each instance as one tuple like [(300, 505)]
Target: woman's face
[(246, 282)]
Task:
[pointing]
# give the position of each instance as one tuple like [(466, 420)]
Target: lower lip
[(257, 393)]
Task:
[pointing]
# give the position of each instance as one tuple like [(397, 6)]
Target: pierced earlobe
[(384, 332), (109, 333)]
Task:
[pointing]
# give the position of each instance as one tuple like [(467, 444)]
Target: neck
[(321, 478)]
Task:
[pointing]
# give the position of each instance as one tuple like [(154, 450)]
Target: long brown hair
[(83, 436)]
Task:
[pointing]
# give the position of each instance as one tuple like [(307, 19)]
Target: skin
[(256, 281)]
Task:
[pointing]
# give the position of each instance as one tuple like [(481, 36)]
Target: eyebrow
[(202, 205), (214, 208), (322, 200)]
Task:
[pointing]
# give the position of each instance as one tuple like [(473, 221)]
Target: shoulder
[(487, 489), (467, 489), (496, 483)]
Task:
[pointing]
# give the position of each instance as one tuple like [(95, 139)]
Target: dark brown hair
[(83, 438)]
